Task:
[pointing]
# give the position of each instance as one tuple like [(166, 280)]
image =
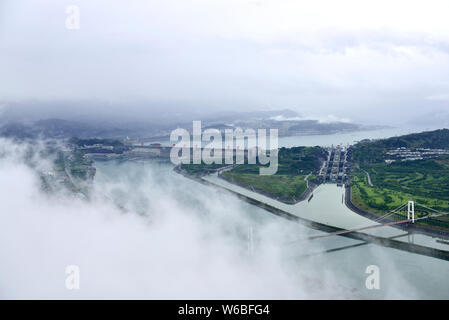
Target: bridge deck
[(340, 217)]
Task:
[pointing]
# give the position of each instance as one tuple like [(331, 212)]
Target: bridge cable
[(343, 232)]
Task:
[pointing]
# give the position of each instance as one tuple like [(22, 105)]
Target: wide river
[(345, 261)]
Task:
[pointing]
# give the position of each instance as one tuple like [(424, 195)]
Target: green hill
[(392, 184), (374, 151)]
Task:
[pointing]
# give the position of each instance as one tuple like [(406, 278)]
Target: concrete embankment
[(305, 195), (363, 236)]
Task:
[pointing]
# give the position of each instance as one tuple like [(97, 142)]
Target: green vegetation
[(289, 181), (424, 181), (374, 151), (288, 184), (80, 167), (117, 146), (280, 185), (291, 161), (74, 164), (379, 201), (424, 178), (201, 169), (70, 170)]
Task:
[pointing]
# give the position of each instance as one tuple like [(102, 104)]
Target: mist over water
[(148, 232), (139, 69)]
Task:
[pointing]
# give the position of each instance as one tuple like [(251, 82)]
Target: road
[(369, 178)]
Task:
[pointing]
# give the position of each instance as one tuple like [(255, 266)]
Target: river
[(342, 138), (326, 140), (344, 261)]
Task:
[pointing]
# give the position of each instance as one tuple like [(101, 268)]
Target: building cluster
[(98, 151), (130, 150), (408, 154), (96, 146)]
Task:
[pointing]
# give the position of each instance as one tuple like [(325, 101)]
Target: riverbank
[(409, 227), (305, 195), (388, 238)]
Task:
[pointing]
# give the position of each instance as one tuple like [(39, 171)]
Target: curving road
[(369, 178)]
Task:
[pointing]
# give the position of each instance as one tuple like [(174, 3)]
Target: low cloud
[(439, 97), (321, 119), (145, 233), (367, 63)]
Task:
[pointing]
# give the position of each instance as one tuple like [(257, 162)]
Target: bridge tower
[(411, 210)]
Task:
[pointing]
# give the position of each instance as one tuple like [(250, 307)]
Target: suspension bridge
[(427, 213), (413, 211)]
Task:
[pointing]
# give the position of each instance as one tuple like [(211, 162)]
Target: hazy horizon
[(100, 198), (376, 63)]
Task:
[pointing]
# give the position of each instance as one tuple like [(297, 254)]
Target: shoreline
[(347, 201), (302, 197), (383, 241), (408, 227)]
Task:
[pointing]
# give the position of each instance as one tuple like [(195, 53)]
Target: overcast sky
[(353, 59)]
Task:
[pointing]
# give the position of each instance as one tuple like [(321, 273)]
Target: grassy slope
[(424, 181), (200, 169), (288, 182), (283, 186)]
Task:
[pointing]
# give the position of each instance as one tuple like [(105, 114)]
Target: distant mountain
[(316, 127), (58, 128), (374, 150), (287, 122), (437, 139)]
